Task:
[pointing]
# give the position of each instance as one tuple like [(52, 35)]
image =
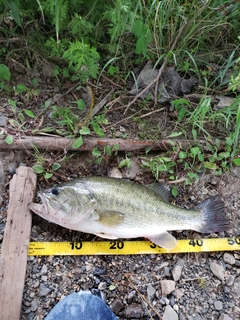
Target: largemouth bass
[(114, 208)]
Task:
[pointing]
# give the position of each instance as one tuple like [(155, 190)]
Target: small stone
[(134, 311), (43, 290), (89, 267), (178, 293), (117, 306), (34, 305), (132, 171), (236, 286), (44, 278), (102, 286), (177, 272), (44, 269), (100, 272), (166, 271), (115, 173), (218, 305), (131, 295), (167, 286), (3, 120), (150, 292), (224, 316), (164, 301), (169, 313), (217, 270), (229, 280), (195, 316), (12, 166), (228, 258)]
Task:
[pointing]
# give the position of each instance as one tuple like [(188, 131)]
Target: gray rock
[(224, 316), (177, 272), (102, 286), (218, 305), (217, 270), (167, 286), (166, 271), (12, 166), (43, 290), (169, 313), (236, 286), (195, 316), (150, 292), (134, 311), (228, 258), (131, 295), (3, 120), (164, 301), (229, 280), (34, 305), (133, 170), (44, 269), (117, 306)]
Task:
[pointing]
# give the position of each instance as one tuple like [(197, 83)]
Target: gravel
[(174, 286)]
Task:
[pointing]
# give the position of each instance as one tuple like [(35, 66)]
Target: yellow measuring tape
[(130, 247)]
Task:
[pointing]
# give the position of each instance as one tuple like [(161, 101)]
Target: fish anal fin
[(110, 218), (106, 236), (164, 240), (162, 189)]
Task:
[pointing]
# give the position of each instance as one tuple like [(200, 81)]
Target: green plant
[(5, 76)]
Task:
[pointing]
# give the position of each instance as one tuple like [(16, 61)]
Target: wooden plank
[(13, 259)]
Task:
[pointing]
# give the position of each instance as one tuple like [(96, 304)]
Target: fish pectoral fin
[(164, 240), (106, 236), (110, 218)]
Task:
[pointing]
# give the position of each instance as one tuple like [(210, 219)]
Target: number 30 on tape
[(131, 247)]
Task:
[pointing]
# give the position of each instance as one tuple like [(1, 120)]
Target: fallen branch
[(56, 143)]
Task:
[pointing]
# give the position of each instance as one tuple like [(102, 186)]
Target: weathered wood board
[(13, 259)]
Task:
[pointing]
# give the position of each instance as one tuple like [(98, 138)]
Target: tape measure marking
[(131, 247)]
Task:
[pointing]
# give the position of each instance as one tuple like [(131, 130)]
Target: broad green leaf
[(194, 134), (236, 161), (56, 166), (14, 6), (9, 139), (48, 175), (96, 152), (125, 163), (29, 113), (21, 117), (174, 191), (182, 155), (174, 134), (78, 143), (20, 88), (84, 130), (37, 168), (210, 165), (5, 73), (194, 151)]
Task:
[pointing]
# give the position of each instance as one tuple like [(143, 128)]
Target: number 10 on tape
[(131, 247)]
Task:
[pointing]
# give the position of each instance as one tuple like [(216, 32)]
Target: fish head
[(66, 205)]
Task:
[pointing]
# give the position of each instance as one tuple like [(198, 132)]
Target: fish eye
[(55, 191)]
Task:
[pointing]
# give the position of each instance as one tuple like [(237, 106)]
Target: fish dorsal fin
[(162, 189), (110, 218), (164, 240)]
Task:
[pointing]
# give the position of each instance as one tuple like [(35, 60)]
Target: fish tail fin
[(213, 213)]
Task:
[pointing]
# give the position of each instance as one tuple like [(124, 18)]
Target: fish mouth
[(44, 209)]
